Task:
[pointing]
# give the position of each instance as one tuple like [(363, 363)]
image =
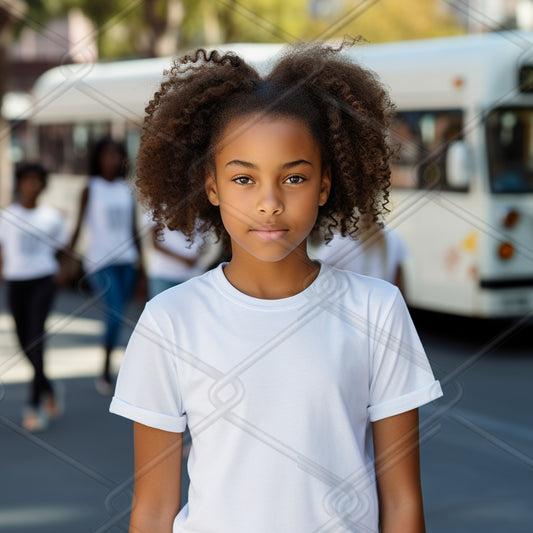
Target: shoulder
[(368, 294), (9, 210), (394, 239), (50, 211), (184, 298)]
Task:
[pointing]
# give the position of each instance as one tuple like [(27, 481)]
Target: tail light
[(510, 218), (505, 251)]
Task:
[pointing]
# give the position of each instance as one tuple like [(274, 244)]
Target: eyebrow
[(285, 166)]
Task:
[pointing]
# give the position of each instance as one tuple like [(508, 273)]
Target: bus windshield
[(510, 149)]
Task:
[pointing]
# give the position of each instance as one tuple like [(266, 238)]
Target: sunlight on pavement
[(73, 349), (41, 515)]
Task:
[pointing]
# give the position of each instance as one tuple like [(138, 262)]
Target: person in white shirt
[(112, 259), (299, 382), (30, 237), (172, 260), (376, 251)]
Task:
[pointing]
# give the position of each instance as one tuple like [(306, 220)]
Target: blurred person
[(172, 260), (112, 259), (30, 237), (376, 251)]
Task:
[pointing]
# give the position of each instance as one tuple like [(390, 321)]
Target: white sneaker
[(34, 420), (103, 387)]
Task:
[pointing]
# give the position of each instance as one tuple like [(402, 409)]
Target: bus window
[(510, 149), (422, 139), (65, 148)]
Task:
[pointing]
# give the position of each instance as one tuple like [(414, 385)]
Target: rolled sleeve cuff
[(406, 402), (149, 418)]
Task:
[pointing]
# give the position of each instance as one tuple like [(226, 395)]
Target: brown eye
[(242, 180), (295, 180)]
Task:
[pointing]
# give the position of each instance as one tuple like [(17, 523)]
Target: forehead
[(266, 131), (30, 175)]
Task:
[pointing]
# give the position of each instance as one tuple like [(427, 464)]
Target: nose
[(270, 201)]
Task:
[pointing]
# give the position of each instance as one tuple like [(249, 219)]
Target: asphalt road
[(477, 442)]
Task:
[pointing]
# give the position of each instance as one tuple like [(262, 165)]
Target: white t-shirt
[(278, 396), (109, 220), (161, 265), (29, 240), (379, 259)]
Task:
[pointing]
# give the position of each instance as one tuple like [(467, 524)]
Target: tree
[(148, 28), (10, 12)]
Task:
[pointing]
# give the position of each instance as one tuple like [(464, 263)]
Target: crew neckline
[(229, 291)]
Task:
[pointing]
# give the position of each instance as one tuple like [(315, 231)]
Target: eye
[(294, 180), (242, 180)]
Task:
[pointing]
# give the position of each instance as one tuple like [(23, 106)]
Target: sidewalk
[(77, 475)]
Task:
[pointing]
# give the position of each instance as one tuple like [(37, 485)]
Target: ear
[(325, 187), (211, 189)]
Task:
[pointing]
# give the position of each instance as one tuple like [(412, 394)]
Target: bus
[(462, 181)]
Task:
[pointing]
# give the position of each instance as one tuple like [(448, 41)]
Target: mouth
[(270, 234)]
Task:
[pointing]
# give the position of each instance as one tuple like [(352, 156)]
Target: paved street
[(477, 442)]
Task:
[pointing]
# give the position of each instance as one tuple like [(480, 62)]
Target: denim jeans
[(114, 284)]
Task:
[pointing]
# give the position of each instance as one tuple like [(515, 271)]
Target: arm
[(189, 261), (81, 213), (157, 490), (398, 279), (396, 450)]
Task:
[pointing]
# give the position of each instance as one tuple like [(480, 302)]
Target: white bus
[(462, 194)]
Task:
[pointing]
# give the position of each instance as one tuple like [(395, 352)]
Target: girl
[(30, 236), (299, 383), (107, 208)]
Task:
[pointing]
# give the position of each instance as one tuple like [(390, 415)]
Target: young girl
[(107, 208), (30, 236), (299, 383)]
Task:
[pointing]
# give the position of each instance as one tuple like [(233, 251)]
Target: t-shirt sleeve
[(148, 388), (401, 377)]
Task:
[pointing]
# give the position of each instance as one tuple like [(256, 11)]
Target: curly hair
[(344, 105)]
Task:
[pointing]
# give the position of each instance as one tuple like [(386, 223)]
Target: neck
[(28, 204), (271, 280)]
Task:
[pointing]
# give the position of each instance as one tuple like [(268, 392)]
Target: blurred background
[(461, 74)]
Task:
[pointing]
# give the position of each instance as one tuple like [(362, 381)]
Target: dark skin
[(29, 187), (260, 179), (109, 170)]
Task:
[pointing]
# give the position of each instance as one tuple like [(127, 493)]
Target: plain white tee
[(29, 240), (378, 258), (278, 396), (164, 266), (109, 220)]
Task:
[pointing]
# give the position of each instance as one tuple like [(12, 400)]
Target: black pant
[(30, 302)]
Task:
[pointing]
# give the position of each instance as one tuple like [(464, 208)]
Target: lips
[(270, 234)]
